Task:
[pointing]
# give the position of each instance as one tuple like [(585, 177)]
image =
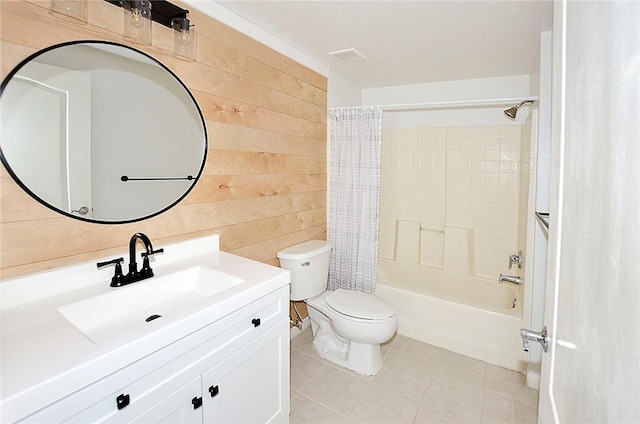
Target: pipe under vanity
[(513, 279)]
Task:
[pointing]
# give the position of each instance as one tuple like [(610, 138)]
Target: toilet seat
[(359, 305)]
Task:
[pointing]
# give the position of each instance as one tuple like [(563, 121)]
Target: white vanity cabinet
[(247, 387), (234, 370), (176, 408)]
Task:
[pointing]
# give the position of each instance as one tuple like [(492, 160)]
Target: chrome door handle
[(82, 211), (532, 336)]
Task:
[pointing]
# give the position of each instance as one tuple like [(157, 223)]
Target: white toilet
[(348, 326)]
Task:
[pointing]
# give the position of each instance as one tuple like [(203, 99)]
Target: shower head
[(512, 111)]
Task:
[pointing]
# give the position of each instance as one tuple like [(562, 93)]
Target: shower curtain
[(354, 196)]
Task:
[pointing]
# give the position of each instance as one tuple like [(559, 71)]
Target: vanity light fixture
[(137, 21), (184, 38), (71, 10)]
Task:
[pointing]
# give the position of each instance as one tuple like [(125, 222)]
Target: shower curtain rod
[(457, 104)]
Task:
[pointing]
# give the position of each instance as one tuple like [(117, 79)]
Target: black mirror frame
[(15, 70)]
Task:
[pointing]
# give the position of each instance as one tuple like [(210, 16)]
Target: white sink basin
[(129, 307)]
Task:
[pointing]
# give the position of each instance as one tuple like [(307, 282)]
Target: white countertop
[(44, 357)]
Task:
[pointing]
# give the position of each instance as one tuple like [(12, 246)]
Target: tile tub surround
[(418, 383), (449, 210)]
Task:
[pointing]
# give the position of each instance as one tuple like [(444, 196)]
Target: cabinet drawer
[(165, 371), (179, 407), (133, 400), (175, 399)]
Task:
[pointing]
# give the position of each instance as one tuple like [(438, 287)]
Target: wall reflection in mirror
[(78, 117)]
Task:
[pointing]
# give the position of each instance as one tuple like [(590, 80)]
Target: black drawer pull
[(123, 400), (255, 322), (213, 390), (196, 402)]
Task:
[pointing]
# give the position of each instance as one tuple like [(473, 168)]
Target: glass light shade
[(137, 21), (70, 10), (184, 39)]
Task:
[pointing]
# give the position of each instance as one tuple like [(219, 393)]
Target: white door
[(591, 373), (47, 134)]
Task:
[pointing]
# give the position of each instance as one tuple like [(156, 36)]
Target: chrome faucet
[(513, 279), (133, 275)]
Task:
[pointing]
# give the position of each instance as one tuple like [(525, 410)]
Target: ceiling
[(408, 42)]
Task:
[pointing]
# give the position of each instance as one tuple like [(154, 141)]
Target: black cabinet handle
[(255, 322), (196, 402), (123, 400), (213, 391)]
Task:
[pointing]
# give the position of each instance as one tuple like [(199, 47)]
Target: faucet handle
[(516, 259), (146, 270), (118, 278), (145, 255), (151, 253)]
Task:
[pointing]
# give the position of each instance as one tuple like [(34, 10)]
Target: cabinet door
[(182, 407), (252, 385)]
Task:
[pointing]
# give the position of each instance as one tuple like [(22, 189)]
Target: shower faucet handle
[(516, 259)]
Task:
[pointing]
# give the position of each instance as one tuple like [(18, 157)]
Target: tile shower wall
[(450, 202)]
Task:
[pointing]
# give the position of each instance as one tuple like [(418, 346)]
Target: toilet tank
[(308, 263)]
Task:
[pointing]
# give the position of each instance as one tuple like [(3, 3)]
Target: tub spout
[(513, 279)]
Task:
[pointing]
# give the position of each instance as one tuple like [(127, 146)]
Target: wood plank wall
[(264, 183)]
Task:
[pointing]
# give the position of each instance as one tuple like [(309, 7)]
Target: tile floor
[(418, 383)]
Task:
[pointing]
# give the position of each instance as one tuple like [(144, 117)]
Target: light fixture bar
[(163, 12)]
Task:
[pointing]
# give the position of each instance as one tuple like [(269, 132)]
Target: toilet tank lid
[(359, 305), (305, 250)]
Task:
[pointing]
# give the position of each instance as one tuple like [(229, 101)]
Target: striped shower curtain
[(354, 196)]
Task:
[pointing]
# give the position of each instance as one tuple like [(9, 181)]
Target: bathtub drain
[(515, 303)]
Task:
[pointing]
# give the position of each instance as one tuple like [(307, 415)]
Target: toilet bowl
[(348, 326), (346, 333)]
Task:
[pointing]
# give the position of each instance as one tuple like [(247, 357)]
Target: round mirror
[(100, 132)]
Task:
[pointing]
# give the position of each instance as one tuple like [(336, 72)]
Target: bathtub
[(481, 323)]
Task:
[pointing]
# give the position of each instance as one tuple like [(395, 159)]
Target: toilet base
[(363, 358)]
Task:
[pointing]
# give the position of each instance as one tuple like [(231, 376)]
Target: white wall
[(342, 92), (472, 89)]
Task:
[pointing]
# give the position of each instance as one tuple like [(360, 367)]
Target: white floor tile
[(403, 378), (307, 411), (303, 368), (378, 405), (418, 383), (336, 389), (454, 397)]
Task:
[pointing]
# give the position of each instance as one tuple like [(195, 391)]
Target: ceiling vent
[(348, 55)]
